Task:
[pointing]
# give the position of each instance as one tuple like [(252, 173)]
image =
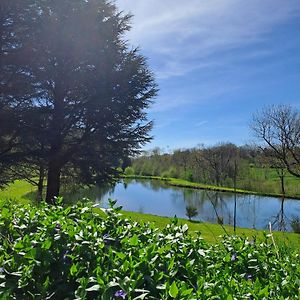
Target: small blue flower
[(234, 257), (121, 294), (2, 270)]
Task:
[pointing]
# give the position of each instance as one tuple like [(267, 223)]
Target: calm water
[(154, 197)]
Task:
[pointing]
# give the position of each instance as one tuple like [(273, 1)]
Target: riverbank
[(193, 185), (22, 192), (213, 233)]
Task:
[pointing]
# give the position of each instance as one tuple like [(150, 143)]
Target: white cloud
[(200, 123), (183, 34)]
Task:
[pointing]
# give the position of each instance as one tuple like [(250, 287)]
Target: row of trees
[(72, 93), (215, 165), (277, 132)]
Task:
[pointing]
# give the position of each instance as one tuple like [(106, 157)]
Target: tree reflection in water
[(280, 220), (155, 197)]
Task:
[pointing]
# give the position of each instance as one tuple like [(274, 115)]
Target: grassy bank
[(23, 192), (212, 232), (19, 191), (194, 185)]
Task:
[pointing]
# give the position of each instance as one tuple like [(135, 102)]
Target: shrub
[(165, 174), (189, 176), (129, 171), (56, 252), (191, 211)]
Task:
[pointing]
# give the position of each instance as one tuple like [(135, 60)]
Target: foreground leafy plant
[(74, 253)]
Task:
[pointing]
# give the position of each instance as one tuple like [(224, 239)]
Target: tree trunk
[(234, 182), (41, 183), (53, 182), (282, 182)]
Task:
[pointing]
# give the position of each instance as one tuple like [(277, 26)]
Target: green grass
[(212, 232), (19, 191), (267, 180)]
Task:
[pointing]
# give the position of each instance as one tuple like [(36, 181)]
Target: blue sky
[(216, 63)]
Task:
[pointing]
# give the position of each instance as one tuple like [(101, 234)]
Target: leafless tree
[(220, 160), (278, 128)]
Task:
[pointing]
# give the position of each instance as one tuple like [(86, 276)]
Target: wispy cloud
[(201, 95), (182, 34), (201, 123)]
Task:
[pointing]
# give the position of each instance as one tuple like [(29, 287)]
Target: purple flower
[(2, 270), (248, 277), (234, 257), (121, 294)]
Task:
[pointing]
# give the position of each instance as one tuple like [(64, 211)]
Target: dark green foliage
[(191, 211), (81, 107), (73, 252)]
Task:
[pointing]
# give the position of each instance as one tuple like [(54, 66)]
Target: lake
[(157, 198)]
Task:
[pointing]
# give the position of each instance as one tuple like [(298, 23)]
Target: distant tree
[(278, 128), (220, 161), (84, 85), (276, 164), (191, 212)]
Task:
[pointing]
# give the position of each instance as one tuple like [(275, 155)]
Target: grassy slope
[(212, 232), (267, 179), (22, 191)]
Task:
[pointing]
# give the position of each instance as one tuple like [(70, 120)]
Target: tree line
[(263, 166), (73, 94)]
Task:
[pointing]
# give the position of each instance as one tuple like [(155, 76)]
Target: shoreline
[(200, 186)]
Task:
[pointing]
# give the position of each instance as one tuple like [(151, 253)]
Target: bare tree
[(278, 128), (220, 161)]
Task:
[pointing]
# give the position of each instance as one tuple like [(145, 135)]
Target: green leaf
[(173, 291), (134, 241), (73, 269), (47, 244), (186, 292)]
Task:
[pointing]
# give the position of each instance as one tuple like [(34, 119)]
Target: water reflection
[(155, 197)]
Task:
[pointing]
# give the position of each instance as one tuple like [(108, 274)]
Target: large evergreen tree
[(81, 105)]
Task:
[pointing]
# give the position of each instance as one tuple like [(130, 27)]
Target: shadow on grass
[(195, 221), (32, 196)]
